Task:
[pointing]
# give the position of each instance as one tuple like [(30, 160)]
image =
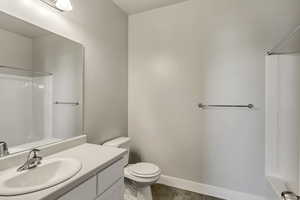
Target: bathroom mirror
[(41, 86)]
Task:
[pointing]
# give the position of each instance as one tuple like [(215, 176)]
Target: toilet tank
[(121, 142)]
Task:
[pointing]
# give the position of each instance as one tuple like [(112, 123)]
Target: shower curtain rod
[(285, 39), (25, 70)]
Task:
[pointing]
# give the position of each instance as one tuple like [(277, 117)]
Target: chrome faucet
[(3, 149), (33, 160)]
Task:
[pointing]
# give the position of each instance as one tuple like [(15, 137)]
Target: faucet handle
[(34, 152)]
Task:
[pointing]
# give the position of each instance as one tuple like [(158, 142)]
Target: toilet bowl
[(141, 175)]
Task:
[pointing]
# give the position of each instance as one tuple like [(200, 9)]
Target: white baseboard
[(207, 189)]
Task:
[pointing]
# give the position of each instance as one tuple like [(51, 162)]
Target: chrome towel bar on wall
[(203, 106), (67, 103)]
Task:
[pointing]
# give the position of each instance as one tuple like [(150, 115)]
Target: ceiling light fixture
[(61, 5)]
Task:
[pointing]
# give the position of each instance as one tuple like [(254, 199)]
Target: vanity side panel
[(110, 176)]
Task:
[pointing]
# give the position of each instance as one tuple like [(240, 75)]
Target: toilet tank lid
[(117, 142)]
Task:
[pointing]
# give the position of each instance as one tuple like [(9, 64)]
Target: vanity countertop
[(94, 158)]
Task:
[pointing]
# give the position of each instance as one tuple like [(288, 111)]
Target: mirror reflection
[(41, 86)]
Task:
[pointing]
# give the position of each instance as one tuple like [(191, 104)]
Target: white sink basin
[(49, 173)]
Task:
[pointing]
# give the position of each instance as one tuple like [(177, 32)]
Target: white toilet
[(142, 175)]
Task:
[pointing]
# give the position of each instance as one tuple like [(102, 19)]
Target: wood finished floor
[(162, 192)]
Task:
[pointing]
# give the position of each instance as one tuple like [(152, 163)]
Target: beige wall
[(208, 51), (102, 28)]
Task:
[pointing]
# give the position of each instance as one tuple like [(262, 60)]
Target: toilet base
[(134, 192), (144, 193)]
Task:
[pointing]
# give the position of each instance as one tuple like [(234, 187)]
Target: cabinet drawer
[(109, 176), (86, 191), (115, 192)]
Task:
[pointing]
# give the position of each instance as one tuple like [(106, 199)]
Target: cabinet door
[(85, 191), (115, 192)]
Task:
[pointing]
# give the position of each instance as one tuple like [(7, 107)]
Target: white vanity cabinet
[(108, 184)]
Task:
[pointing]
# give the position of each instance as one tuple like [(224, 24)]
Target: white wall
[(102, 28), (15, 50), (206, 51)]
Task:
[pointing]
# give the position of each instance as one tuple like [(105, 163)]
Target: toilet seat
[(144, 173), (144, 170)]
